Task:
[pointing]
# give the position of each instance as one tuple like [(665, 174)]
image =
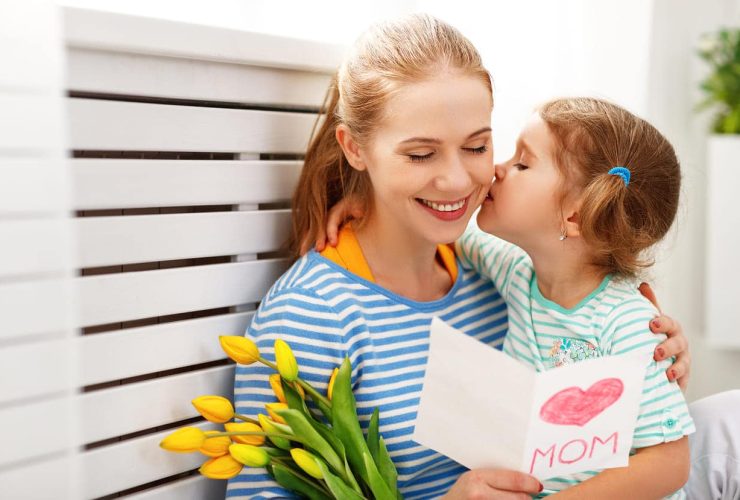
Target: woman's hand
[(675, 345), (494, 484)]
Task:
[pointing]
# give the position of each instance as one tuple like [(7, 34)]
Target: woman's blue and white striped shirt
[(326, 313)]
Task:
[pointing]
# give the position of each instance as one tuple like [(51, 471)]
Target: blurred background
[(643, 54)]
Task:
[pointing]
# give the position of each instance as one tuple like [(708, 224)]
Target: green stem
[(306, 386), (246, 419), (267, 434), (313, 392)]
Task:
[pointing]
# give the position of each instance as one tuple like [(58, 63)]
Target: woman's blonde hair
[(619, 221), (387, 57)]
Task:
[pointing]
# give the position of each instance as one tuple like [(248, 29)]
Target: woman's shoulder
[(314, 276)]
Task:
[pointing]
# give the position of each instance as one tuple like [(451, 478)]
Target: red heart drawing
[(573, 406)]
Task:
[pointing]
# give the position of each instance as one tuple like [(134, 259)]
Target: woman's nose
[(454, 177)]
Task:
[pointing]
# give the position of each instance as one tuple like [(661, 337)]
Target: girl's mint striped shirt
[(613, 319)]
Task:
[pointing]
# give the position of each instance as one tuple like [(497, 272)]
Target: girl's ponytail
[(607, 227)]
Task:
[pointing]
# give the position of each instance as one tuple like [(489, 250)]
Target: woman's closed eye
[(478, 151), (420, 157)]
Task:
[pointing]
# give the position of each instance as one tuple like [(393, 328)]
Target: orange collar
[(348, 255)]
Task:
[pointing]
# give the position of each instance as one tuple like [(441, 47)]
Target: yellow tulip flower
[(252, 456), (286, 363), (272, 409), (240, 349), (224, 467), (330, 389), (246, 427), (277, 387), (184, 440), (215, 446), (214, 408), (307, 462)]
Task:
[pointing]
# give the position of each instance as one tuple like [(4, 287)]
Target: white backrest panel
[(37, 303), (186, 143)]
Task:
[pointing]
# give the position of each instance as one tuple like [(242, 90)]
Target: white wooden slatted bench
[(185, 144)]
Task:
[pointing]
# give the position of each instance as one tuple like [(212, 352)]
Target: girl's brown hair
[(382, 61), (618, 221)]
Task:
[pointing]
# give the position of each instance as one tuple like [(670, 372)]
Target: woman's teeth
[(443, 207)]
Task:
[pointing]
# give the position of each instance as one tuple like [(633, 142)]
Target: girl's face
[(430, 161), (523, 205)]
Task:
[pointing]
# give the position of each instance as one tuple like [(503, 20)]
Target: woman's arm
[(653, 472)]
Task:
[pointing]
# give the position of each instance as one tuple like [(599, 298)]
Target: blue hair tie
[(622, 172)]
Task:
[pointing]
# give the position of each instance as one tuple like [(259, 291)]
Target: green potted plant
[(721, 89), (721, 51)]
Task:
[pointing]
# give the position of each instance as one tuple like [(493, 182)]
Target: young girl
[(589, 189)]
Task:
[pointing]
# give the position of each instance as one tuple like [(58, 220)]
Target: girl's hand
[(675, 345), (343, 211), (494, 484)]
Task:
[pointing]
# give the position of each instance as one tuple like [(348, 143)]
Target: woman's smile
[(445, 209)]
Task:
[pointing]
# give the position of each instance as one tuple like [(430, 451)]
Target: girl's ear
[(573, 225), (572, 219), (350, 147)]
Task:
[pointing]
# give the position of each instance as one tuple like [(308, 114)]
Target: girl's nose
[(499, 171)]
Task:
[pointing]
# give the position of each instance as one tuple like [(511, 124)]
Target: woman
[(408, 133)]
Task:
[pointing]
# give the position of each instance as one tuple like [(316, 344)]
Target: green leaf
[(372, 434), (386, 467), (303, 429), (337, 486), (295, 402), (380, 489), (345, 422), (288, 479)]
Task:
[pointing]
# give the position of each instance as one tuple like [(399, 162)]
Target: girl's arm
[(653, 472), (492, 257)]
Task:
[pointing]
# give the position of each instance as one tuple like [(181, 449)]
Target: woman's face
[(430, 160)]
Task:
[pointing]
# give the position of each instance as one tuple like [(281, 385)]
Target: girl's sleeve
[(492, 257), (315, 334), (663, 414)]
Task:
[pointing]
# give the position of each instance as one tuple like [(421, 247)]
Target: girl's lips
[(446, 216)]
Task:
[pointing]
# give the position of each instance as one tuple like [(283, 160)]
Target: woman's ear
[(350, 147)]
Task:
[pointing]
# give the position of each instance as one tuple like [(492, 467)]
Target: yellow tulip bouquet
[(318, 455)]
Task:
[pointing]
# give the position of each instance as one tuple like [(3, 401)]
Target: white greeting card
[(482, 408)]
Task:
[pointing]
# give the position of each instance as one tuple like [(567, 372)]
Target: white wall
[(675, 73), (636, 52)]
